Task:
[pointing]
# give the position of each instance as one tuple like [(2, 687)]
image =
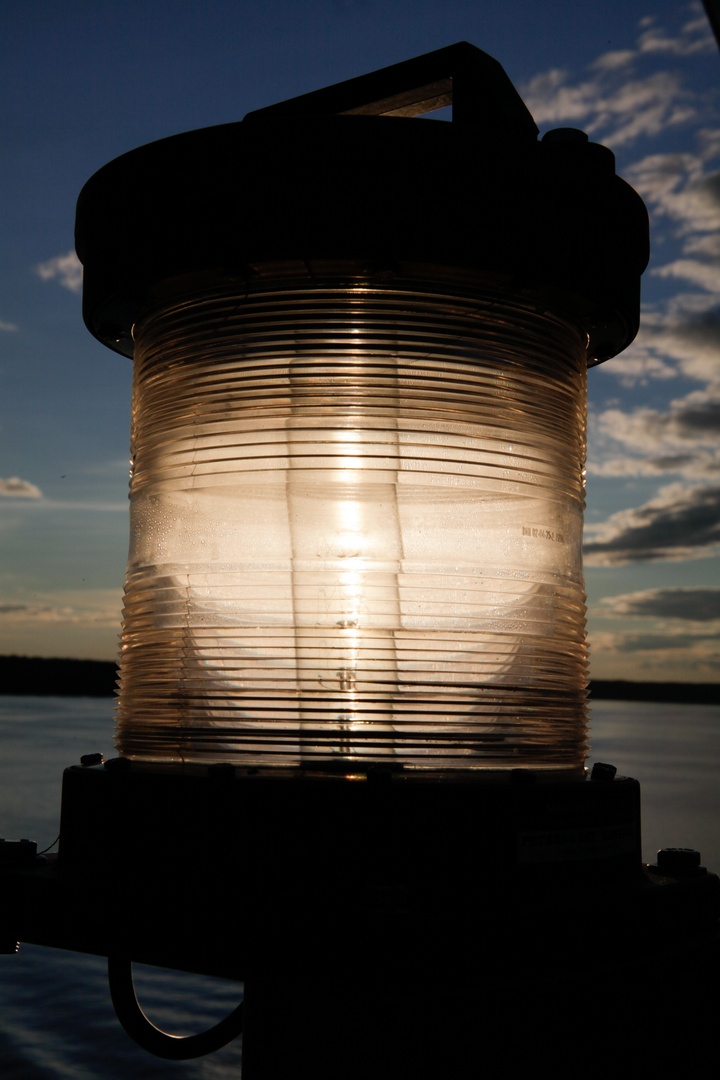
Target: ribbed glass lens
[(356, 522)]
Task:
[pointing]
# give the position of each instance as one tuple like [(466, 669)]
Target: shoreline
[(25, 676)]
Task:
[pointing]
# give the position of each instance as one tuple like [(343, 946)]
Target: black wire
[(152, 1038)]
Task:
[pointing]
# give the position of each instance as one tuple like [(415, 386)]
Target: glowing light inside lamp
[(356, 529)]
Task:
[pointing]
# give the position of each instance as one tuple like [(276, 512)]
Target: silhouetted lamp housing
[(358, 429)]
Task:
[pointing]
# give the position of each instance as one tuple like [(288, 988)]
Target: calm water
[(56, 1019)]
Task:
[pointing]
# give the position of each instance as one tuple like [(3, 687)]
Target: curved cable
[(153, 1039)]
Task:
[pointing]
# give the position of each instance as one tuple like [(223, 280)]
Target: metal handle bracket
[(460, 75)]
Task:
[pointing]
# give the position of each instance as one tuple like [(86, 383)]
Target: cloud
[(668, 642), (695, 37), (679, 523), (18, 488), (693, 339), (682, 187), (97, 607), (696, 466), (693, 419), (640, 363), (65, 269), (683, 339), (100, 507), (661, 656), (684, 439), (620, 98), (552, 99), (618, 112), (701, 604), (641, 107), (614, 99), (704, 245), (14, 487), (37, 612), (610, 61), (706, 275), (9, 327), (108, 468)]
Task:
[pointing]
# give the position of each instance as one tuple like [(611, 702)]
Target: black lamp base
[(384, 925)]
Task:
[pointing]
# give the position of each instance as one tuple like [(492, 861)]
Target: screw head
[(91, 759), (602, 772), (118, 764), (565, 134)]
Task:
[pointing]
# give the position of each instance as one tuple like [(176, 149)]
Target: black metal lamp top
[(341, 177)]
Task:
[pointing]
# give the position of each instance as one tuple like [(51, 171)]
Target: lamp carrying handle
[(460, 75)]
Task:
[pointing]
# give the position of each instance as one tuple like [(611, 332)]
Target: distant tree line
[(34, 675)]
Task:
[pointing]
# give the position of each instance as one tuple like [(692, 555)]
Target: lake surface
[(56, 1018)]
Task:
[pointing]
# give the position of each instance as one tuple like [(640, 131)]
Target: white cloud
[(614, 100), (700, 604), (14, 487), (662, 656), (96, 607), (9, 327), (704, 245), (681, 188), (684, 339), (639, 363), (610, 61), (695, 37), (696, 466), (18, 488), (65, 269), (693, 419), (108, 468), (617, 113), (642, 107), (709, 139), (35, 612), (703, 274), (683, 440), (679, 523), (65, 505), (620, 98), (552, 100)]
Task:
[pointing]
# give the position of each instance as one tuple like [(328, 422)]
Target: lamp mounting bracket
[(460, 75)]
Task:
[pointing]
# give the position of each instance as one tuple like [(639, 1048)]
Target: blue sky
[(83, 82)]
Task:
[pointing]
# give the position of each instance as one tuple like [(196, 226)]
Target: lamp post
[(353, 672)]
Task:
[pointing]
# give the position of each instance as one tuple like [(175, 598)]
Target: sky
[(82, 82)]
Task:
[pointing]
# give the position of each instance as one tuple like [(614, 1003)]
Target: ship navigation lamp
[(358, 433), (352, 705)]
